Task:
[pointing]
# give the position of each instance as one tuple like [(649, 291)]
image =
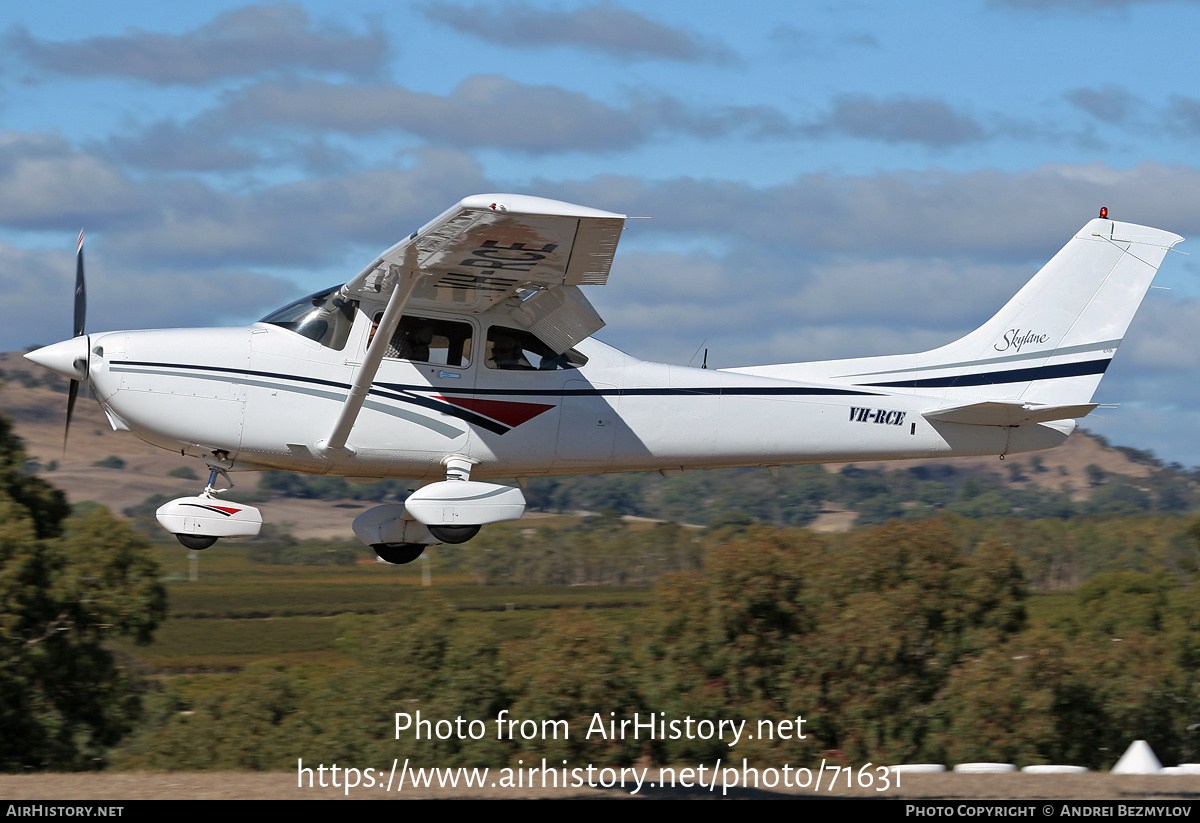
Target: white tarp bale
[(1139, 758)]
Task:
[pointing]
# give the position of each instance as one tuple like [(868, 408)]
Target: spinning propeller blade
[(80, 323), (80, 289)]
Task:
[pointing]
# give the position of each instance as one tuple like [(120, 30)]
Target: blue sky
[(824, 180)]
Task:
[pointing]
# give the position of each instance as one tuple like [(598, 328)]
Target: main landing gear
[(398, 554), (454, 534), (448, 511)]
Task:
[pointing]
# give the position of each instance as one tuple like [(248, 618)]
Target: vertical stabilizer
[(1048, 346)]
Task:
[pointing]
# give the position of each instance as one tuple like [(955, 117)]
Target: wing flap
[(489, 247), (993, 413)]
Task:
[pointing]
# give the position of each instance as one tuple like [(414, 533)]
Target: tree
[(45, 505), (64, 699), (858, 634)]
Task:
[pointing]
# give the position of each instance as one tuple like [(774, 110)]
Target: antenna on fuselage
[(697, 351)]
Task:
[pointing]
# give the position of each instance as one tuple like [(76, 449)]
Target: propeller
[(81, 364)]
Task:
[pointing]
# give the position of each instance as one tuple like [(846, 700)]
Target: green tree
[(577, 670), (732, 641), (45, 505), (64, 699), (859, 635), (243, 721)]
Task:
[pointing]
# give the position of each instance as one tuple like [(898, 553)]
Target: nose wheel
[(194, 542), (197, 522)]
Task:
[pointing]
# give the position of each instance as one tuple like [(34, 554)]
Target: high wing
[(489, 248)]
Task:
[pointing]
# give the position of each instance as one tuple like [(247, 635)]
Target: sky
[(822, 180)]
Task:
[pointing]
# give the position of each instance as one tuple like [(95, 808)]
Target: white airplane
[(464, 354)]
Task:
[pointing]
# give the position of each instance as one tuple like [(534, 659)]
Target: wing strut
[(406, 282)]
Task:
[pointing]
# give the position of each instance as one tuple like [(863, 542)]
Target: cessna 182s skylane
[(464, 354)]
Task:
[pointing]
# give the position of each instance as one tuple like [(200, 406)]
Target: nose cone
[(68, 358)]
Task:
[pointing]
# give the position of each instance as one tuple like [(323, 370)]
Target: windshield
[(325, 317)]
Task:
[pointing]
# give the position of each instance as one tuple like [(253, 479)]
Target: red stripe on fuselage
[(508, 412)]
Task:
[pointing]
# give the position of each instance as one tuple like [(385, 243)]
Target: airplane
[(464, 354)]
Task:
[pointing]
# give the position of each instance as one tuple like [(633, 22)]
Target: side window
[(429, 340), (520, 350)]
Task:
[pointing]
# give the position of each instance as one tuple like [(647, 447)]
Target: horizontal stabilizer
[(995, 413)]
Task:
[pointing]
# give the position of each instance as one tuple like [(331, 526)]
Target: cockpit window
[(325, 317), (520, 350)]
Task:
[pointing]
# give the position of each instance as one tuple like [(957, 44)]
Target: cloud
[(483, 111), (48, 185), (663, 114), (1161, 337), (602, 27), (1110, 104), (792, 41), (184, 298), (247, 41), (1183, 115), (1152, 378), (45, 183), (929, 292), (205, 145), (169, 146), (306, 224), (901, 119), (37, 286), (988, 214), (768, 305)]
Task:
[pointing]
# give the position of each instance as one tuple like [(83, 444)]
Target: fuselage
[(267, 396)]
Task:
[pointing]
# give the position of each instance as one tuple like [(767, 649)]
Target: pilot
[(507, 352)]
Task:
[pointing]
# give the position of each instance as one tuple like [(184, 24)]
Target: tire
[(398, 554), (454, 534), (194, 542)]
